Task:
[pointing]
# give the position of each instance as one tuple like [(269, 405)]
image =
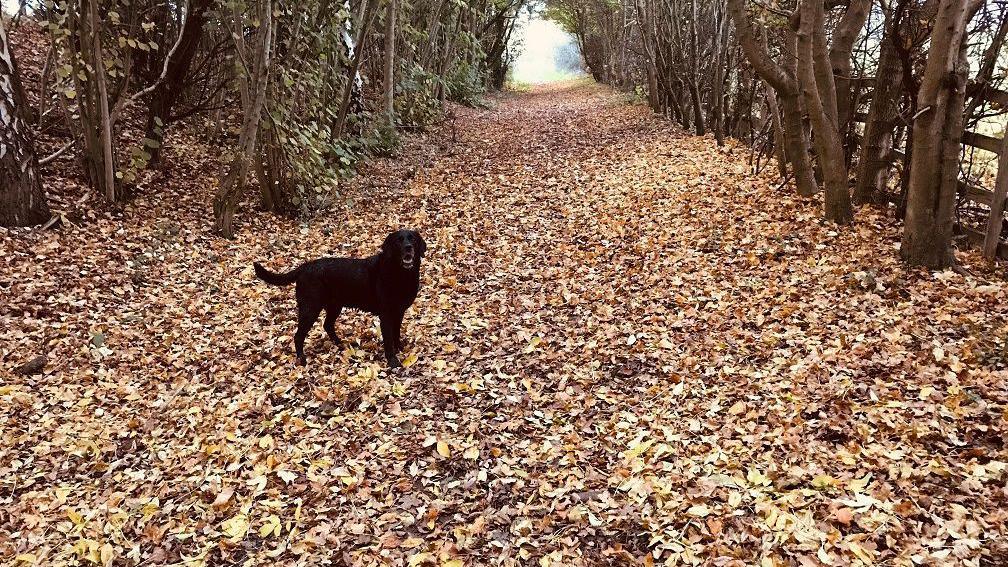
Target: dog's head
[(405, 247)]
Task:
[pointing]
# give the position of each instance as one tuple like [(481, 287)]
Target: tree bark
[(997, 209), (937, 139), (784, 81), (721, 45), (987, 65), (778, 131), (875, 159), (841, 47), (819, 93), (104, 117), (172, 81), (391, 14), (355, 68), (233, 184), (694, 90), (22, 200)]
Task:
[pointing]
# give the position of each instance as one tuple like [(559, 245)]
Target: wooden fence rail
[(989, 240)]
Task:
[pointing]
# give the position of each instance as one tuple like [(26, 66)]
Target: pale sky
[(536, 64)]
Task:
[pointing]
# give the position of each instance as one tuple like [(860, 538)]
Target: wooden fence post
[(997, 205)]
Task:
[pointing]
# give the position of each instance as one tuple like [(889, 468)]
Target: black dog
[(384, 284)]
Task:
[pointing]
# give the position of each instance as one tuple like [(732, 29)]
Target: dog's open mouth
[(407, 261)]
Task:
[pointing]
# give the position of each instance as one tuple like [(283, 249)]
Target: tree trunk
[(937, 139), (783, 79), (170, 84), (987, 65), (22, 201), (875, 159), (694, 91), (819, 93), (844, 35), (796, 145), (233, 184), (105, 119), (390, 30), (721, 45), (338, 127), (778, 131)]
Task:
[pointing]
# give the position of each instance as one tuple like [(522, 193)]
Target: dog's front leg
[(397, 328), (389, 333)]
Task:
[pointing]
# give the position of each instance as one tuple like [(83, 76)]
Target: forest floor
[(627, 350)]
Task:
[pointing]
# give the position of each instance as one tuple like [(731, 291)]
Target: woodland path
[(627, 349)]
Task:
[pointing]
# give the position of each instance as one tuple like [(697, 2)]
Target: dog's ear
[(387, 246), (421, 243)]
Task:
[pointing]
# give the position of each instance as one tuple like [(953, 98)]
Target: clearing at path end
[(626, 349)]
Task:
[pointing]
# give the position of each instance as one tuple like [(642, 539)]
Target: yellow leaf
[(420, 559), (700, 510), (443, 449), (88, 549), (236, 527), (859, 484), (411, 543), (639, 449), (270, 526), (533, 344), (771, 519), (75, 517), (410, 360), (150, 508), (757, 478), (863, 554), (824, 481), (26, 558), (471, 453), (737, 408), (107, 554), (259, 482), (453, 563)]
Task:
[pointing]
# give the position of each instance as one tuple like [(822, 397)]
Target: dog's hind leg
[(330, 323), (307, 315)]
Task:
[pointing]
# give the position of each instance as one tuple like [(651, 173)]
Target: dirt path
[(626, 350)]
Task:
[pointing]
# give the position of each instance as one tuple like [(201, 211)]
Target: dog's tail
[(276, 279)]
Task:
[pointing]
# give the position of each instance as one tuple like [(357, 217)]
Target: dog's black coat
[(384, 284)]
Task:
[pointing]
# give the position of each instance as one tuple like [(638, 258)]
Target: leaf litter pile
[(626, 350)]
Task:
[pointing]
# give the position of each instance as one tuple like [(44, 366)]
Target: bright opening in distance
[(548, 53)]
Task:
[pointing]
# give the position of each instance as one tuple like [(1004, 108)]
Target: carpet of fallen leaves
[(627, 350)]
